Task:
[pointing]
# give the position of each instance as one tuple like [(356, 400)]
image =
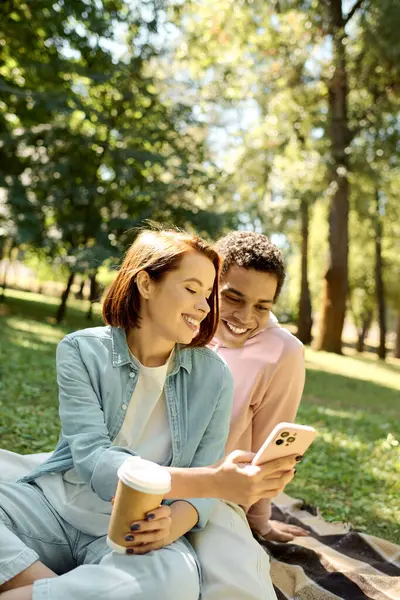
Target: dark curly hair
[(252, 251)]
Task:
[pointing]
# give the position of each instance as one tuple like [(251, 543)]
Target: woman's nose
[(203, 306)]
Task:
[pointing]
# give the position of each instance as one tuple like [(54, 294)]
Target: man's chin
[(229, 339)]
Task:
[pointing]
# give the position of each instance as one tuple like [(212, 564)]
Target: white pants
[(234, 565)]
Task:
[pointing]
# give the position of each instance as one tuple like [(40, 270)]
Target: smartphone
[(285, 439)]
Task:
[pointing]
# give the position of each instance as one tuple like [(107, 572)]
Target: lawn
[(351, 473)]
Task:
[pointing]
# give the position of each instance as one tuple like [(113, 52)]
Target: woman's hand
[(237, 480), (151, 534)]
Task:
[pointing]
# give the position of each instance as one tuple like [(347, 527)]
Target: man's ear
[(143, 282)]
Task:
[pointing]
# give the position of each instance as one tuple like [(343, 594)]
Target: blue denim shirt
[(96, 378)]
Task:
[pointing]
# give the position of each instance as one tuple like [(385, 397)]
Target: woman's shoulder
[(206, 358), (104, 332), (89, 339)]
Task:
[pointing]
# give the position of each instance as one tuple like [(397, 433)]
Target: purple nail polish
[(129, 551), (129, 538), (135, 527), (150, 516)]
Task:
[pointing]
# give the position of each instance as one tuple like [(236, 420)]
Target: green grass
[(351, 473)]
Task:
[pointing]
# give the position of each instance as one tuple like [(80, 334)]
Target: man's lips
[(234, 329)]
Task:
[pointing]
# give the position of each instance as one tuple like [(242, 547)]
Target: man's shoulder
[(289, 343)]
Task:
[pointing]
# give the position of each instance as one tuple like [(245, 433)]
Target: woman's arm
[(233, 479), (83, 423), (210, 449)]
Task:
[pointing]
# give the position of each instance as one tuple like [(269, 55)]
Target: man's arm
[(279, 403)]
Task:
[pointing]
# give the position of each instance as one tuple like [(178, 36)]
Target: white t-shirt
[(145, 430)]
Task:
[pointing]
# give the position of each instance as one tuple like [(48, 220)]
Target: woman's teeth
[(191, 321), (235, 329)]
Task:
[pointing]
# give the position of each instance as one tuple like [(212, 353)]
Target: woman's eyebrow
[(197, 281)]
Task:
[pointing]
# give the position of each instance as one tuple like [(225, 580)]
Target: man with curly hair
[(267, 363)]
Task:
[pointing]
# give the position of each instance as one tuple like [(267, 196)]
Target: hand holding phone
[(284, 440)]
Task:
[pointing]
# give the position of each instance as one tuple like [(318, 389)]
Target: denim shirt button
[(132, 374), (124, 407)]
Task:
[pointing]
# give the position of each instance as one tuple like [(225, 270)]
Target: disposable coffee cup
[(142, 485)]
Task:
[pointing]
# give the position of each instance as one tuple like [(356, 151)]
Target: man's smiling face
[(246, 299)]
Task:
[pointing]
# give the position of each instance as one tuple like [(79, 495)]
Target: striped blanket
[(333, 562)]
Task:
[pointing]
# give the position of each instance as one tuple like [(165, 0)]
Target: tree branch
[(355, 8)]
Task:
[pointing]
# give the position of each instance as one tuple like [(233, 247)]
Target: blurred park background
[(280, 117)]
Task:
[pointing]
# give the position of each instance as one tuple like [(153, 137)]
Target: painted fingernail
[(129, 538), (294, 473), (129, 550), (150, 516), (135, 527), (299, 458)]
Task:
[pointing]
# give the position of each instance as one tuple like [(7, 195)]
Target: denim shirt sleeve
[(83, 424), (212, 446)]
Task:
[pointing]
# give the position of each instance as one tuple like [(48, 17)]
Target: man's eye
[(191, 291), (263, 308), (232, 299)]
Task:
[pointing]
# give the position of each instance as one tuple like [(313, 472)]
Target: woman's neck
[(147, 347)]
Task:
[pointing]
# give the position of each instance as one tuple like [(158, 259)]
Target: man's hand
[(282, 532), (237, 480)]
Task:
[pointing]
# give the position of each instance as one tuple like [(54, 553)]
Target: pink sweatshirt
[(269, 376)]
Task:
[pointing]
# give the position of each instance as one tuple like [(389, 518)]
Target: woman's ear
[(143, 282)]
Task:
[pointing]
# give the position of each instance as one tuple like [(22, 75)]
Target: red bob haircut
[(157, 252)]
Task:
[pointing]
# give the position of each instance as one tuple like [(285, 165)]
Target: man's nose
[(243, 314)]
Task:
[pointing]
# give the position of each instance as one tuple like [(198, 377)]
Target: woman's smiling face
[(246, 299), (179, 302)]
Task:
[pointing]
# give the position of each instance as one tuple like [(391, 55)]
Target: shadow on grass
[(341, 392), (370, 361), (43, 312), (28, 386)]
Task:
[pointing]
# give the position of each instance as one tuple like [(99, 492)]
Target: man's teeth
[(235, 329), (191, 321)]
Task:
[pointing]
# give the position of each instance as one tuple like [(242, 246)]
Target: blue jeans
[(32, 530)]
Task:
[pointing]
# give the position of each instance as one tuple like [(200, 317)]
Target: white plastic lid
[(144, 476)]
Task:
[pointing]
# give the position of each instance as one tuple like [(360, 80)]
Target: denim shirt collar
[(121, 356)]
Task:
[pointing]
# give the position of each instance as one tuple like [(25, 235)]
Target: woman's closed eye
[(191, 291)]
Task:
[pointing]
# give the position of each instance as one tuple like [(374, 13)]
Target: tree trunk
[(379, 286), (363, 332), (3, 242), (93, 295), (335, 286), (397, 348), (79, 293), (61, 309), (304, 324), (6, 266)]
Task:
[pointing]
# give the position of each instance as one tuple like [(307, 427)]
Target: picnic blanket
[(332, 563)]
